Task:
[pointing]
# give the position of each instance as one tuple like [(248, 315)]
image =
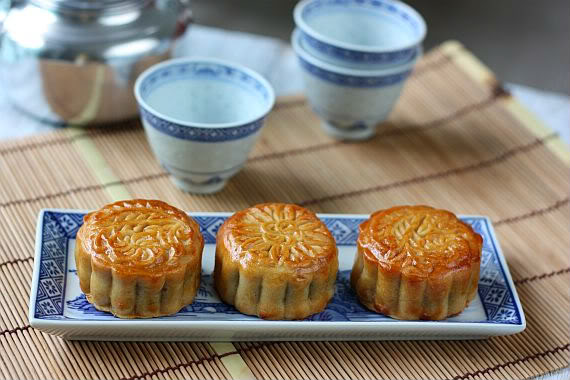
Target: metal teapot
[(75, 61)]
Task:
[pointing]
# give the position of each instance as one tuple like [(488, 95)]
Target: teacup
[(202, 118), (350, 102), (360, 34)]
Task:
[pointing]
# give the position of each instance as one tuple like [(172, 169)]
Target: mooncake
[(139, 258), (275, 261), (416, 262)]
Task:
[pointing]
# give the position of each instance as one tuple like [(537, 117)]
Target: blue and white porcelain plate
[(58, 307)]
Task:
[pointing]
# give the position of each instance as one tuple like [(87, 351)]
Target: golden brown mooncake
[(139, 258), (416, 262), (276, 261)]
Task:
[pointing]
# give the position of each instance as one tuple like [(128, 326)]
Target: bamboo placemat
[(456, 140)]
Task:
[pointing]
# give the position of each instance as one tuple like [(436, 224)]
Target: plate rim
[(483, 328)]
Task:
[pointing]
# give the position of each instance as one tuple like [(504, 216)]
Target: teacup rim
[(307, 56), (302, 25), (200, 59)]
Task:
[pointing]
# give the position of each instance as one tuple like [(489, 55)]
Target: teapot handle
[(184, 17), (186, 14)]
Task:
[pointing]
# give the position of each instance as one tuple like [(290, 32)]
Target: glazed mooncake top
[(278, 235), (419, 240), (141, 236)]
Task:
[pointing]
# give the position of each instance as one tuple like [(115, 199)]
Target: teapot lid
[(96, 28), (90, 6)]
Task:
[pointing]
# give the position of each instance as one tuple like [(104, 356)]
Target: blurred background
[(522, 41)]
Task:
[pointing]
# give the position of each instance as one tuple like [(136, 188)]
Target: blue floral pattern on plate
[(59, 228)]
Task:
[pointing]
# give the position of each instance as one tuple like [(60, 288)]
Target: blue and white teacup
[(360, 34), (350, 102), (202, 118)]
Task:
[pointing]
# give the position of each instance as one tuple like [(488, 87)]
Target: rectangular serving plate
[(58, 307)]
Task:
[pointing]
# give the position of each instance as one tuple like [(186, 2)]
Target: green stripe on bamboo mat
[(234, 363), (97, 162)]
